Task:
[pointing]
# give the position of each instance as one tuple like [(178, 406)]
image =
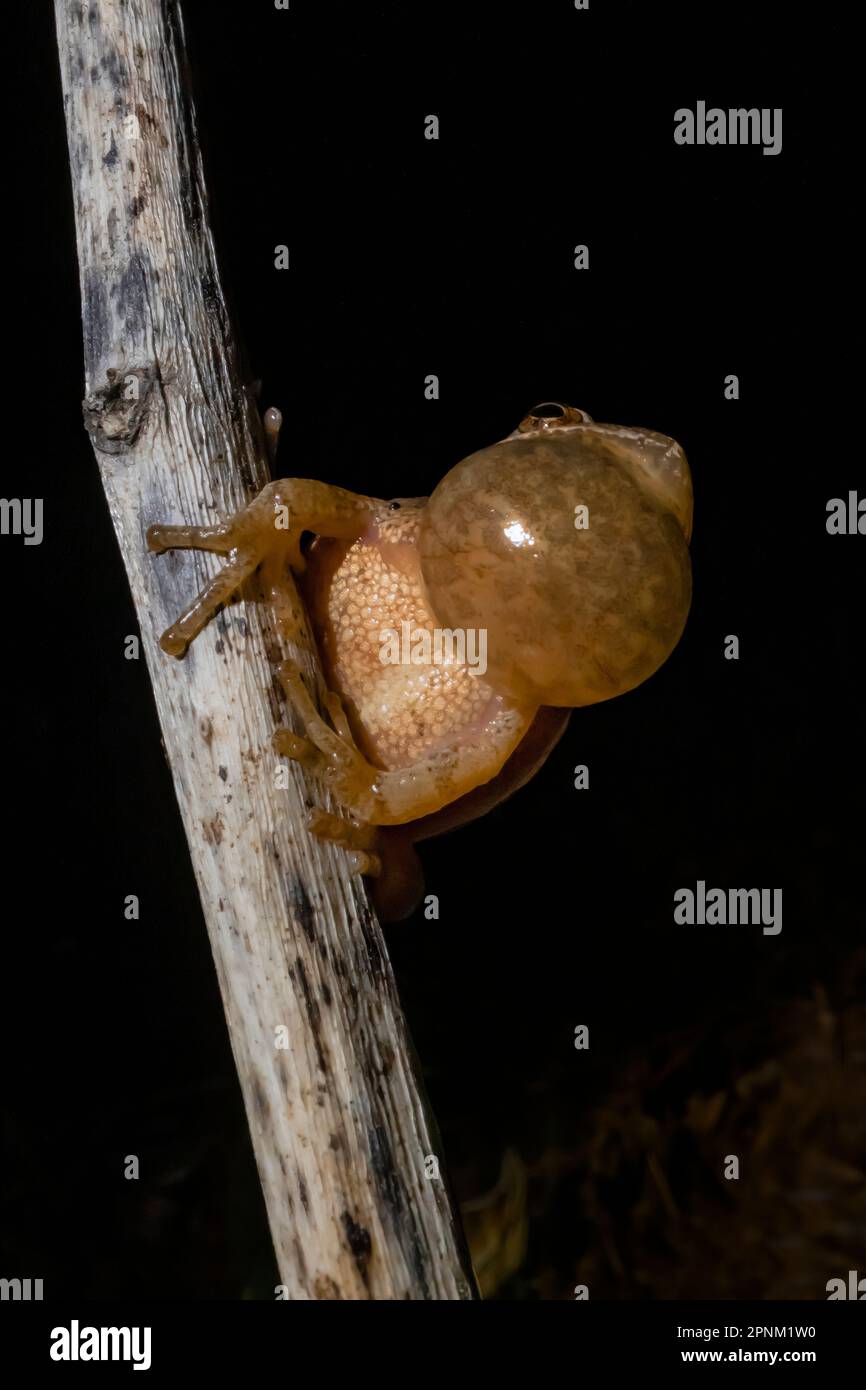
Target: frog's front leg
[(269, 528)]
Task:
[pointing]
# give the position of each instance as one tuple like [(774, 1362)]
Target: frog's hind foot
[(328, 753), (332, 755), (384, 854), (360, 841)]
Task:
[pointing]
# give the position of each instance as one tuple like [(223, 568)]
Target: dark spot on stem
[(370, 931), (359, 1242), (305, 1196), (303, 908), (260, 1101), (213, 830), (313, 1015), (325, 1289)]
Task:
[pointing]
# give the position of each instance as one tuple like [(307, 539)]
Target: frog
[(563, 549)]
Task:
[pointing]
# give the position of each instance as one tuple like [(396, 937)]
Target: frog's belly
[(367, 603)]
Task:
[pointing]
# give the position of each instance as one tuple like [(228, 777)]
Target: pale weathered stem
[(338, 1120)]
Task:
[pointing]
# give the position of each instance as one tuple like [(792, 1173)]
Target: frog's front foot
[(247, 538), (270, 528)]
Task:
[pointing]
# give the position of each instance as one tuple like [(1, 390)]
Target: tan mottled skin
[(571, 616)]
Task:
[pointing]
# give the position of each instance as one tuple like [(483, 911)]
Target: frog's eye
[(393, 506), (550, 415)]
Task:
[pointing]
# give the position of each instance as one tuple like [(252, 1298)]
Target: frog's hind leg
[(334, 756), (382, 854), (329, 754), (403, 794), (388, 804)]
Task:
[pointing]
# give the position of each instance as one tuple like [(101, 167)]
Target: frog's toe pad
[(292, 745), (358, 840)]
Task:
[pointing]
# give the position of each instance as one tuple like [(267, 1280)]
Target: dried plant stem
[(338, 1120)]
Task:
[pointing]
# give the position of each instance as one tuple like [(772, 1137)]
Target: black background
[(454, 257)]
